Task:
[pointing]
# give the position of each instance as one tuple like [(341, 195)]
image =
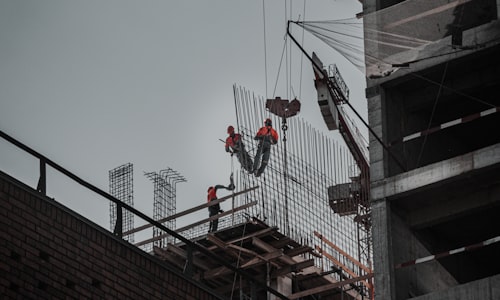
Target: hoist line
[(288, 73), (239, 258), (284, 128), (348, 103), (265, 42), (279, 69), (302, 57)]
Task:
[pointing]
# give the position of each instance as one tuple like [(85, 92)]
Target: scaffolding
[(165, 185), (293, 193), (121, 186)]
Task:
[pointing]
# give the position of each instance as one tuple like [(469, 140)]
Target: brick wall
[(48, 251)]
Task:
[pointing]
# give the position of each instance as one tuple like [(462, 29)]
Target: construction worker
[(215, 209), (234, 145), (266, 136)]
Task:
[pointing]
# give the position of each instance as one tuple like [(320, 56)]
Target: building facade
[(433, 76)]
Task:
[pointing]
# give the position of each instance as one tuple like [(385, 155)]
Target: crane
[(349, 197)]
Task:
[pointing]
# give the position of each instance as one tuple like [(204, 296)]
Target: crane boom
[(332, 94)]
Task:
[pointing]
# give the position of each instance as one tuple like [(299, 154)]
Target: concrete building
[(433, 77)]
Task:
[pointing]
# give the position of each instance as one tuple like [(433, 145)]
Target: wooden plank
[(352, 259), (245, 206), (268, 248), (234, 249), (197, 223), (215, 272), (216, 241), (298, 250), (243, 250), (293, 268), (341, 265), (222, 245), (282, 242), (247, 237), (183, 253), (190, 210), (261, 259), (328, 287)]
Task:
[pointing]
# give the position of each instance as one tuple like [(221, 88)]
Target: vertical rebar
[(121, 186)]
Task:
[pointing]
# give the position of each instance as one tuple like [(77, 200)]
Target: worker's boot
[(261, 169)]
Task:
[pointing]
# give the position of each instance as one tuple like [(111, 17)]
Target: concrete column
[(382, 251), (375, 119), (283, 285)]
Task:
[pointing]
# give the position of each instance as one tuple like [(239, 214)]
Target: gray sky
[(95, 84)]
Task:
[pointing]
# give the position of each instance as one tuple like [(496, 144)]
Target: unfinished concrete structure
[(433, 70)]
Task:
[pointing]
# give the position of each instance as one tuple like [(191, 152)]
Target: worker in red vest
[(234, 145), (266, 136), (215, 209)]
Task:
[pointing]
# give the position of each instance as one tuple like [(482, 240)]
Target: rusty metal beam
[(341, 265), (352, 259)]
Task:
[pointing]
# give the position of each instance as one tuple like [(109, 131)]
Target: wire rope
[(265, 42), (238, 261), (302, 56), (453, 90), (432, 113)]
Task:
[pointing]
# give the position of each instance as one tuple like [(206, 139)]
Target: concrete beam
[(486, 35), (435, 173), (445, 209), (484, 289)]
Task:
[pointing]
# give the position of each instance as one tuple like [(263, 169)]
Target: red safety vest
[(268, 131), (232, 141)]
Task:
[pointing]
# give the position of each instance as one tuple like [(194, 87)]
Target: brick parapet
[(49, 251)]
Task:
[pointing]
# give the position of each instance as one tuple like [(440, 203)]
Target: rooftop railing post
[(42, 181), (189, 267), (119, 220)]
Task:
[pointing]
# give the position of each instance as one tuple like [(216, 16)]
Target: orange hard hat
[(230, 129)]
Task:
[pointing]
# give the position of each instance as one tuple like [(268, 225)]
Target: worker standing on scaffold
[(266, 136), (234, 145), (215, 209)]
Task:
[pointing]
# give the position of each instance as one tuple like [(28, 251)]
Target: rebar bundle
[(164, 206), (121, 186)]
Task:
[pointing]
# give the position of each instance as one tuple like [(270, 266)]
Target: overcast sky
[(96, 84)]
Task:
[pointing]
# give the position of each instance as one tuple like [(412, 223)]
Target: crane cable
[(432, 113)]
